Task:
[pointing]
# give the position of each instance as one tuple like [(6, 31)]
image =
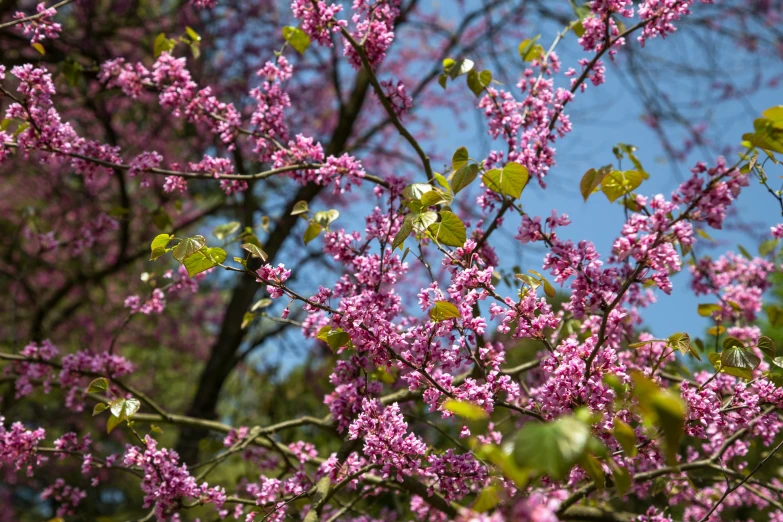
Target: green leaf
[(463, 177), (449, 230), (737, 357), (768, 246), (459, 159), (732, 342), (707, 309), (510, 181), (529, 50), (298, 39), (682, 342), (300, 207), (592, 466), (162, 44), (442, 181), (488, 498), (767, 346), (112, 423), (326, 217), (158, 245), (98, 385), (744, 252), (193, 35), (552, 448), (255, 251), (622, 479), (313, 229), (626, 436), (225, 230), (775, 316), (38, 47), (335, 338), (444, 310), (458, 68), (662, 409), (432, 198), (478, 81), (416, 190), (404, 232), (505, 462), (464, 409), (620, 183), (423, 221), (188, 247), (100, 407), (261, 303), (204, 259), (591, 181)]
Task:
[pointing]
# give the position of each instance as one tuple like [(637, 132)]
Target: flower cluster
[(41, 25), (166, 482)]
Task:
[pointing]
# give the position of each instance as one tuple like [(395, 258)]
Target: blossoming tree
[(185, 185)]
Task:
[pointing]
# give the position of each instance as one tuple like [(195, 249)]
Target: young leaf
[(488, 498), (622, 478), (775, 316), (444, 310), (189, 246), (663, 409), (227, 229), (767, 346), (510, 181), (449, 230), (326, 217), (620, 183), (432, 198), (463, 177), (298, 39), (737, 357), (707, 309), (100, 407), (680, 341), (478, 81), (255, 251), (158, 245), (300, 207), (405, 231), (464, 409), (416, 190), (592, 466), (626, 436), (591, 181), (459, 159), (261, 303), (552, 448), (98, 385), (203, 260), (313, 229), (529, 50), (112, 423), (162, 44)]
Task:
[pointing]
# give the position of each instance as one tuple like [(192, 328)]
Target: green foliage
[(450, 230), (552, 448), (529, 50), (619, 183), (508, 181), (444, 310), (297, 38), (203, 260), (662, 409)]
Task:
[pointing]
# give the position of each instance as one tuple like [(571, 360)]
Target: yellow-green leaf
[(444, 310), (465, 409), (449, 230)]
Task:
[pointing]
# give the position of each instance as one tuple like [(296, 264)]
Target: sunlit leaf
[(465, 409), (444, 310), (449, 230)]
